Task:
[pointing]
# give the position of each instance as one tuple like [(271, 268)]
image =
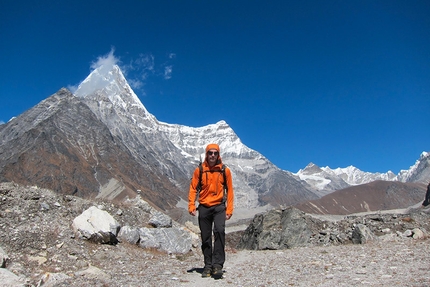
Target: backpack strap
[(199, 185), (224, 198)]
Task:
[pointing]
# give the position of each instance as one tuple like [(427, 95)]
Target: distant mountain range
[(101, 142), (326, 180)]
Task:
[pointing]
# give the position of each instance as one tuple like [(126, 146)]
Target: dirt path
[(396, 263)]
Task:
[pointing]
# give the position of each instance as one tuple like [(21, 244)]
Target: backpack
[(199, 185)]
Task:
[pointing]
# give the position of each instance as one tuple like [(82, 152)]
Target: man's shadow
[(194, 269)]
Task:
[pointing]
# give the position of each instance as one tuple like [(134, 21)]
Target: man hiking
[(427, 197), (212, 182)]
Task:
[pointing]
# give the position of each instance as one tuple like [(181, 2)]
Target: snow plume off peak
[(105, 63), (101, 75)]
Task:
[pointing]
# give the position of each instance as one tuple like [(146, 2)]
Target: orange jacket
[(212, 191)]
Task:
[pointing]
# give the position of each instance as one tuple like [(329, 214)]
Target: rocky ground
[(42, 250)]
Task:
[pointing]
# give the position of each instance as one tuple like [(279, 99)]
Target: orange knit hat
[(212, 146)]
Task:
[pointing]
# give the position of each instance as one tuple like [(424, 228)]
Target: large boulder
[(171, 240), (96, 225), (277, 229)]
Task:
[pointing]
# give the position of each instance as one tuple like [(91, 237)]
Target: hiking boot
[(206, 272), (217, 272)]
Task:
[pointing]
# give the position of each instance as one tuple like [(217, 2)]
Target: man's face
[(212, 157)]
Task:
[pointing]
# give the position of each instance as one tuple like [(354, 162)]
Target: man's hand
[(228, 216), (193, 213)]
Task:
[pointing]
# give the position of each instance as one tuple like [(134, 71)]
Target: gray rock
[(277, 229), (140, 203), (44, 206), (160, 219), (8, 278), (96, 225), (128, 234), (4, 258), (295, 229), (52, 279), (171, 240), (362, 234), (418, 234)]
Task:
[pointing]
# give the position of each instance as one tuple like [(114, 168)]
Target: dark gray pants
[(212, 217), (427, 198)]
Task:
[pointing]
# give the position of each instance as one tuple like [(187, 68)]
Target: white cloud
[(168, 67), (142, 65), (136, 84), (167, 72), (138, 70), (107, 61), (141, 68)]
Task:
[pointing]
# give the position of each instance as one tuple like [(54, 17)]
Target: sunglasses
[(212, 153)]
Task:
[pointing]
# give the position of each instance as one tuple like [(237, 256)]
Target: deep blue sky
[(336, 83)]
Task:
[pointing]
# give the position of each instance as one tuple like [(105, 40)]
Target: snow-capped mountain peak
[(327, 179), (110, 81), (310, 169), (414, 172), (354, 176), (106, 90)]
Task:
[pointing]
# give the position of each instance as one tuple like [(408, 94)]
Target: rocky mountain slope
[(38, 247), (59, 144)]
